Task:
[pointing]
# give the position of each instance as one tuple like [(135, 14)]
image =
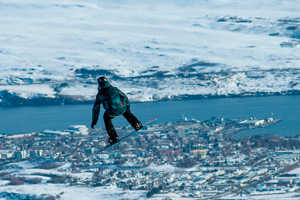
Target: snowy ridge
[(52, 52)]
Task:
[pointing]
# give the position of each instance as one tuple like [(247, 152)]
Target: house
[(200, 153), (6, 155)]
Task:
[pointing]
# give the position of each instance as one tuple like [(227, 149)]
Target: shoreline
[(39, 118), (235, 133), (17, 101)]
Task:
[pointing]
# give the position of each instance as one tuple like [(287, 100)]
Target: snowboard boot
[(113, 136), (113, 140), (137, 126)]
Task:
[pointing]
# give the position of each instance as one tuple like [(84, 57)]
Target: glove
[(93, 124)]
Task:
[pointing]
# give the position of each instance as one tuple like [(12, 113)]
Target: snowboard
[(128, 135)]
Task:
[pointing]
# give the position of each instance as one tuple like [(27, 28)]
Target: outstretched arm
[(96, 111)]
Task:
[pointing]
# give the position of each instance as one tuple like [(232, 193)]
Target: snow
[(65, 166), (88, 91), (27, 169), (161, 168), (44, 42), (164, 168), (71, 193), (66, 192), (82, 175), (3, 182), (295, 171), (24, 164), (29, 91), (287, 196)]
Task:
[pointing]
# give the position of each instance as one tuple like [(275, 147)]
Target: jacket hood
[(103, 83), (106, 85)]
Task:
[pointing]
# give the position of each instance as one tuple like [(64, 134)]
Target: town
[(182, 159)]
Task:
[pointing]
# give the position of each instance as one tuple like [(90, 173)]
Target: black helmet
[(103, 82)]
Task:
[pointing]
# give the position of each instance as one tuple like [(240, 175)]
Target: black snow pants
[(110, 127)]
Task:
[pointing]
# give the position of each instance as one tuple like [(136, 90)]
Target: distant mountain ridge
[(52, 52)]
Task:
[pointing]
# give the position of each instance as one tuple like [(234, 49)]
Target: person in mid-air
[(115, 103)]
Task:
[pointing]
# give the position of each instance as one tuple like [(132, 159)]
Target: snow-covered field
[(29, 170), (65, 191), (71, 193), (151, 49), (59, 191)]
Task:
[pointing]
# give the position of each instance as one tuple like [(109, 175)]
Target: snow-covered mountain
[(52, 51)]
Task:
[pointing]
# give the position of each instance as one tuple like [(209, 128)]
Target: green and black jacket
[(114, 101)]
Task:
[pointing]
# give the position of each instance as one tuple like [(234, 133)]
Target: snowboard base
[(129, 134)]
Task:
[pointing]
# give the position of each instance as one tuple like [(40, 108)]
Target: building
[(116, 155), (253, 122), (35, 153), (20, 155), (79, 129), (18, 136), (172, 153), (54, 133), (200, 153), (143, 154), (6, 154), (90, 150)]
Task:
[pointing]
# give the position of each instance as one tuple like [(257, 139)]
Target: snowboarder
[(115, 103)]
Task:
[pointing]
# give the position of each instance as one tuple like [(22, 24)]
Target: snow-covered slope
[(52, 51)]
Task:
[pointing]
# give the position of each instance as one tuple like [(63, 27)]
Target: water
[(287, 108)]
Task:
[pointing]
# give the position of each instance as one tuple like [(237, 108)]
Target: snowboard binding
[(137, 126), (112, 141), (113, 136)]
